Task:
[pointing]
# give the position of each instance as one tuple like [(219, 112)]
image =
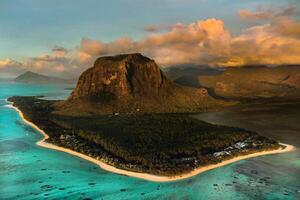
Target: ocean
[(28, 171)]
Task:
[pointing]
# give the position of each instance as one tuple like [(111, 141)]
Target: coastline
[(145, 176)]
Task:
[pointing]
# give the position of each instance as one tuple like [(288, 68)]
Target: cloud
[(8, 67), (55, 63), (267, 44), (263, 13), (60, 51), (247, 14), (205, 42), (182, 44), (208, 42), (286, 27), (154, 28), (6, 62)]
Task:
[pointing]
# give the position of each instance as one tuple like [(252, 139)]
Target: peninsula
[(126, 116)]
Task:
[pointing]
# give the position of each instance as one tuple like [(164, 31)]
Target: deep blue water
[(28, 171)]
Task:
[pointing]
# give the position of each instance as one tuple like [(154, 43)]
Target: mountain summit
[(35, 78), (132, 83), (121, 76)]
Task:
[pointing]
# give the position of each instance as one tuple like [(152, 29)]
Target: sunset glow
[(260, 32)]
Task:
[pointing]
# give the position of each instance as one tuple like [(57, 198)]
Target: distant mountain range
[(189, 71), (35, 78), (249, 82)]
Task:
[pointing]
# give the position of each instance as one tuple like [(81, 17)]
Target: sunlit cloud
[(56, 62), (6, 62), (263, 13), (266, 44), (59, 51), (204, 42), (208, 42), (184, 43), (154, 28)]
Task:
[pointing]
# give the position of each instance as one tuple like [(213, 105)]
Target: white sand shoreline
[(145, 176)]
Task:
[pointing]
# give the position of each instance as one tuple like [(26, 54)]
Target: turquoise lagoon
[(28, 171)]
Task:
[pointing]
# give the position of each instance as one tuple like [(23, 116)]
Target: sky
[(64, 37)]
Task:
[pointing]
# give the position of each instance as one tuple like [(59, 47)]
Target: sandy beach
[(145, 176)]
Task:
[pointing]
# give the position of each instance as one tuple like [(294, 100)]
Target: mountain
[(31, 77), (189, 71), (120, 77), (187, 75), (132, 83), (255, 82)]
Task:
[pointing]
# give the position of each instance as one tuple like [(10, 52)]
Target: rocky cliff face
[(131, 83), (120, 77)]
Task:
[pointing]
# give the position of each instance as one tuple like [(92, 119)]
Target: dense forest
[(164, 144)]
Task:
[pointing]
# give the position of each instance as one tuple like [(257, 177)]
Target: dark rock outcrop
[(121, 76), (132, 83)]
